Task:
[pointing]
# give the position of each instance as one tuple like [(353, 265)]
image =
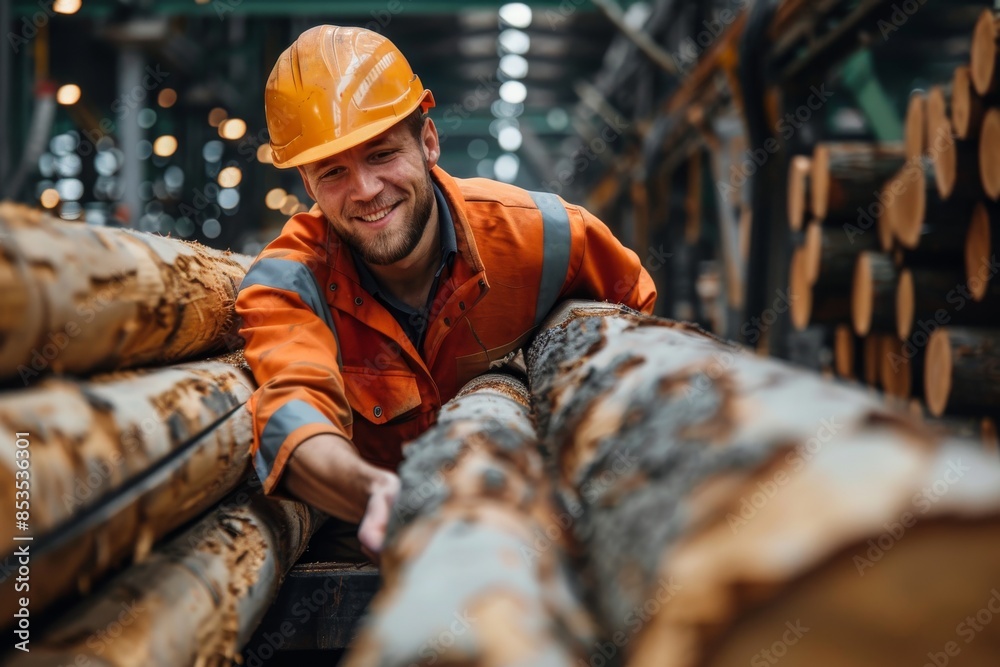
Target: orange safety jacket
[(329, 358)]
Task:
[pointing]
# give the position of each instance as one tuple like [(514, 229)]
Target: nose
[(365, 183)]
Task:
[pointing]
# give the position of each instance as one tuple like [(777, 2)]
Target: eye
[(384, 154), (332, 173)]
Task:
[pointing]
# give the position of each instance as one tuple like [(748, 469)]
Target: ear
[(430, 143), (305, 182)]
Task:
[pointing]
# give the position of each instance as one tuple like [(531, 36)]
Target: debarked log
[(117, 462), (195, 601), (474, 569), (755, 493), (78, 298), (848, 176)]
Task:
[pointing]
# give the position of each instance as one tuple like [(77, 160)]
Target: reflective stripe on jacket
[(328, 358)]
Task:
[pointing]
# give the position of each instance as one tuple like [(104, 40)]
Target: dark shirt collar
[(449, 248)]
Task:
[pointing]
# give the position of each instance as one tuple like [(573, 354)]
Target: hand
[(371, 532)]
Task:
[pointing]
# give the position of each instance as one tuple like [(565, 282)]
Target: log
[(799, 169), (872, 361), (475, 524), (830, 253), (823, 303), (962, 374), (989, 154), (744, 509), (899, 366), (967, 107), (847, 353), (847, 176), (195, 601), (927, 299), (980, 251), (81, 299), (955, 161), (917, 204), (985, 53), (915, 126), (873, 293), (117, 462)]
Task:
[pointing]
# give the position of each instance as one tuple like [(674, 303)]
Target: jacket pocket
[(471, 365), (382, 397)]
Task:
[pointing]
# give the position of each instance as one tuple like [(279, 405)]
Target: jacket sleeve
[(603, 269), (293, 351)]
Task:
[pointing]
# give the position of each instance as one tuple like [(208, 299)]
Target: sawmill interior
[(704, 366)]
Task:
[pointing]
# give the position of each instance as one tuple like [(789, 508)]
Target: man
[(399, 285)]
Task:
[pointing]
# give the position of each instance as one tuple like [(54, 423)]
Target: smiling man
[(401, 284)]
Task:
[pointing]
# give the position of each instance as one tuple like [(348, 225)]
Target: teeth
[(376, 216)]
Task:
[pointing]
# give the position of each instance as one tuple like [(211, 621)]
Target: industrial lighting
[(509, 138), (274, 197), (165, 145), (50, 198), (514, 41), (514, 66), (167, 98), (68, 94), (506, 167), (66, 6), (289, 203), (513, 92), (216, 116), (264, 155), (232, 129), (516, 14), (230, 177)]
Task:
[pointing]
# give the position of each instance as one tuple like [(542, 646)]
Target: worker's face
[(378, 195)]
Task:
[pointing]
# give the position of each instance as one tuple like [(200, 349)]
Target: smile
[(378, 215)]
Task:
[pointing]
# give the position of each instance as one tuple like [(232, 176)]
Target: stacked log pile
[(912, 268), (116, 459)]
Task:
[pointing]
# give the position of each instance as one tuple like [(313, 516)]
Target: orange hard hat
[(334, 88)]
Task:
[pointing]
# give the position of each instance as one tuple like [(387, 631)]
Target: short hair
[(415, 123)]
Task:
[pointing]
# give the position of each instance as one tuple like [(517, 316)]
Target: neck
[(410, 279)]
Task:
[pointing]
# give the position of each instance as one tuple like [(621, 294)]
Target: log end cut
[(937, 372), (984, 53), (989, 154), (905, 304), (978, 243)]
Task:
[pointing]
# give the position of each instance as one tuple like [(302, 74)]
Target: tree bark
[(962, 374), (830, 253), (195, 601), (119, 461), (933, 298), (475, 523), (79, 298), (848, 176), (692, 554)]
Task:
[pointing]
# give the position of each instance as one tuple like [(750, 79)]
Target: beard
[(391, 245)]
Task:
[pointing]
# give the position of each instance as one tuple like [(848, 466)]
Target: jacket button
[(358, 301), (461, 305), (482, 283), (333, 287), (377, 411), (447, 321)]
